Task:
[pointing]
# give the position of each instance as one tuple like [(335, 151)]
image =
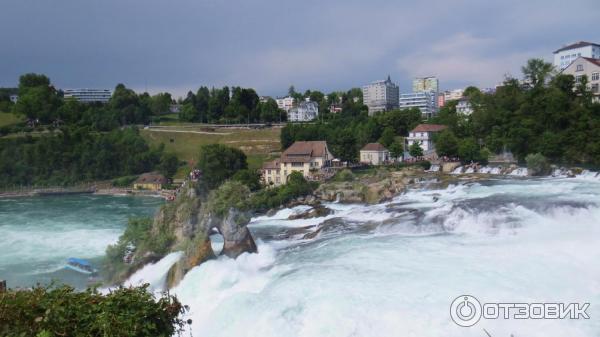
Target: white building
[(589, 67), (381, 96), (14, 98), (464, 107), (423, 134), (374, 154), (426, 102), (430, 83), (89, 95), (564, 56), (305, 157), (285, 103), (453, 95), (304, 112)]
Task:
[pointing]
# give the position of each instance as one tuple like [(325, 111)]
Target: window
[(578, 79), (595, 88), (580, 67), (297, 164), (595, 76)]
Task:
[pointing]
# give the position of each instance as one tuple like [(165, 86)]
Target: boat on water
[(81, 266)]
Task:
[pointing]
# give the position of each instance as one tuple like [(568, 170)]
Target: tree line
[(75, 155), (551, 114)]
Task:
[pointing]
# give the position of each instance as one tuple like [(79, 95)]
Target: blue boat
[(80, 266)]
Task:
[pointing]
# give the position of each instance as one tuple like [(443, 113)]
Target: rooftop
[(577, 45), (303, 151), (594, 61), (428, 128), (151, 178), (373, 147)]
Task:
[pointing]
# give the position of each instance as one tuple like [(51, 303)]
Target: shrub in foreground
[(537, 164), (62, 311)]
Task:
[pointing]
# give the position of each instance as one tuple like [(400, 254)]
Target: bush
[(415, 150), (229, 194), (344, 175), (537, 164), (62, 311), (249, 178), (296, 187)]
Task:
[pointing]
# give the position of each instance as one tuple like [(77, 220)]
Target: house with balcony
[(307, 157)]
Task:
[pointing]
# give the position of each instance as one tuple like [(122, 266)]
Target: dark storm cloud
[(269, 44)]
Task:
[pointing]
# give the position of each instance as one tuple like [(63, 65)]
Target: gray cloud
[(178, 45)]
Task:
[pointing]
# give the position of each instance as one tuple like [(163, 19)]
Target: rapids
[(393, 269)]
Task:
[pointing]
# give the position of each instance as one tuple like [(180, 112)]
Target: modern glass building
[(89, 95)]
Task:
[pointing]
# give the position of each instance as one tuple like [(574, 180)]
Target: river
[(38, 234), (391, 269)]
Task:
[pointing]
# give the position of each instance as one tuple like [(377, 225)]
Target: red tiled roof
[(428, 128), (304, 151), (594, 61), (577, 45), (374, 147)]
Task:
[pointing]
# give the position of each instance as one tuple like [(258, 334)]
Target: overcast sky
[(177, 45)]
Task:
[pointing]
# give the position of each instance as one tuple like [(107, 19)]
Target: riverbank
[(92, 189)]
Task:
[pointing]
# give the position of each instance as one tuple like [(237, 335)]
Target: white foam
[(154, 274)]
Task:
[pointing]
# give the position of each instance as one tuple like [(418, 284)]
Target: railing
[(48, 190)]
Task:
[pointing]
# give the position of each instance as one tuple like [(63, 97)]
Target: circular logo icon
[(465, 310)]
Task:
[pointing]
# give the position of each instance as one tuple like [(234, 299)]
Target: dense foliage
[(273, 197), (62, 311), (39, 101), (220, 162), (238, 105), (554, 117), (76, 155), (346, 135)]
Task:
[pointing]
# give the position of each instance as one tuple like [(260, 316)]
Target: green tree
[(415, 150), (387, 137), (249, 178), (160, 103), (396, 149), (537, 71), (537, 164), (468, 150), (446, 144), (188, 113), (219, 163)]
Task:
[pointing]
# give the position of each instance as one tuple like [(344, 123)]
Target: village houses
[(423, 134)]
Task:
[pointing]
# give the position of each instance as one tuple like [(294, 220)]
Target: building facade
[(430, 83), (426, 102), (381, 96), (423, 134), (566, 55), (464, 107), (152, 181), (374, 154), (304, 112), (88, 95), (305, 157), (285, 103), (589, 67), (453, 95)]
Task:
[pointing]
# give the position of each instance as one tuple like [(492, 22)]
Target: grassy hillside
[(185, 141), (8, 119)]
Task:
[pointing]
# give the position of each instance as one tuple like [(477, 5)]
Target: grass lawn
[(185, 142), (9, 119)]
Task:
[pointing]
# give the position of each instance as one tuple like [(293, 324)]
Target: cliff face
[(190, 218)]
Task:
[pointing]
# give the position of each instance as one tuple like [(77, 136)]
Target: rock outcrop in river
[(186, 224)]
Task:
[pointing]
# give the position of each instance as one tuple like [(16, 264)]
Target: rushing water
[(38, 234), (393, 269)]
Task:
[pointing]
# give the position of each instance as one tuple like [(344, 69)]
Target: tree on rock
[(219, 163)]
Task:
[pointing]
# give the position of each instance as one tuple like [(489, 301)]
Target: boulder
[(316, 212), (236, 236)]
